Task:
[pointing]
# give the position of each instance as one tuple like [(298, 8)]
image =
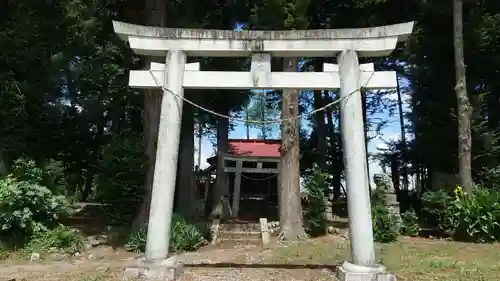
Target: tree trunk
[(154, 15), (365, 130), (152, 103), (263, 114), (200, 138), (335, 151), (185, 183), (403, 136), (320, 122), (247, 125), (290, 205), (221, 184), (464, 110), (4, 162), (89, 183)]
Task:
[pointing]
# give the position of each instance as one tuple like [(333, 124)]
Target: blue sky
[(391, 131)]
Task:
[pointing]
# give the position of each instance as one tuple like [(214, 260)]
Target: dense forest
[(72, 129)]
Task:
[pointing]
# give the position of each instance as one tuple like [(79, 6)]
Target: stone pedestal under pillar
[(352, 272), (165, 270)]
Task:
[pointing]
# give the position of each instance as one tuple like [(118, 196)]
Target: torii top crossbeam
[(367, 42)]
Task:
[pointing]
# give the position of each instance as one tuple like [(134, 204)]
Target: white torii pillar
[(353, 77), (355, 164), (167, 149), (348, 76)]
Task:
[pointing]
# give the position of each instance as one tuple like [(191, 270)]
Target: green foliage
[(50, 175), (491, 177), (27, 170), (385, 225), (438, 210), (4, 254), (315, 203), (185, 236), (474, 219), (410, 225), (206, 230), (121, 173), (61, 238), (478, 217), (137, 240), (377, 196), (27, 208)]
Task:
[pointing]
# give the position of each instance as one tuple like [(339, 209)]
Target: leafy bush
[(409, 200), (27, 208), (50, 175), (385, 225), (438, 210), (477, 218), (120, 175), (315, 203), (409, 223), (377, 196), (60, 237), (490, 177), (184, 236), (473, 219), (206, 230), (137, 240)]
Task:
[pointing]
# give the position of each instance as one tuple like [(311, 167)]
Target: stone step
[(241, 227), (246, 239), (239, 234)]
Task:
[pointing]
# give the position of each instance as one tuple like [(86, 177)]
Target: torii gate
[(175, 75)]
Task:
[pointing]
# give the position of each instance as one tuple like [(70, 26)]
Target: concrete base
[(166, 270), (353, 272)]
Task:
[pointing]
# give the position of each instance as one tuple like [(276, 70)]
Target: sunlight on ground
[(411, 259)]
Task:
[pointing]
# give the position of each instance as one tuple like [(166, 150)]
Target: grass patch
[(411, 259)]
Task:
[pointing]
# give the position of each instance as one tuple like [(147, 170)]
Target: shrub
[(409, 201), (377, 196), (137, 240), (490, 177), (206, 230), (409, 223), (438, 210), (60, 237), (315, 203), (50, 175), (184, 236), (477, 218), (385, 225), (28, 208), (120, 175)]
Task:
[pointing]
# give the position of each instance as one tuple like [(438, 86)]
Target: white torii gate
[(348, 76)]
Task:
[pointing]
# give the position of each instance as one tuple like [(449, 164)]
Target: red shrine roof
[(255, 147), (252, 147)]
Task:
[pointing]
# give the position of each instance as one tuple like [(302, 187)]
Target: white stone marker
[(349, 76)]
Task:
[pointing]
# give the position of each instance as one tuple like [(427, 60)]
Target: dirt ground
[(315, 259)]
